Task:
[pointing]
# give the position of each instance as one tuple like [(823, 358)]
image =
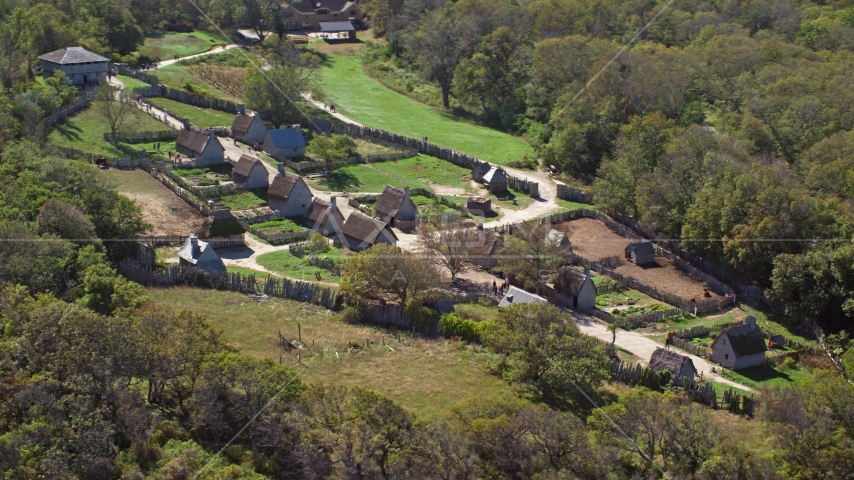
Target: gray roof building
[(72, 56), (200, 255), (517, 295)]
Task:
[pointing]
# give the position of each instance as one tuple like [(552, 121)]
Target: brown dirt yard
[(593, 240), (157, 202)]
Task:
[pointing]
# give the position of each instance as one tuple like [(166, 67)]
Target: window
[(353, 12), (322, 11)]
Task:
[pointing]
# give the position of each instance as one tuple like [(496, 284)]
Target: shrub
[(788, 363), (351, 315), (318, 243), (465, 328), (848, 362)]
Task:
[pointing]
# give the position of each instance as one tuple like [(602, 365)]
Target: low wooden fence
[(187, 97), (689, 347), (573, 194), (148, 101), (181, 193), (144, 137), (64, 111), (215, 242), (276, 238)]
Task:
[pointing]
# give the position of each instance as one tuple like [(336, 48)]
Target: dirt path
[(166, 63), (643, 347)]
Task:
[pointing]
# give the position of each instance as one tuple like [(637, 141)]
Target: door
[(85, 79)]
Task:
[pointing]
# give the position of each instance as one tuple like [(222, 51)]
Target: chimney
[(211, 134), (296, 127), (241, 109), (194, 241), (186, 124), (281, 168), (751, 322), (406, 192), (332, 204), (587, 272)]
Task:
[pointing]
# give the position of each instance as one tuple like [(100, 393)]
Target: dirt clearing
[(593, 240), (168, 214)]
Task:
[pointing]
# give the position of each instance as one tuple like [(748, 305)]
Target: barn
[(640, 253), (288, 194), (81, 66), (200, 144), (201, 255), (740, 347), (251, 172), (681, 366), (248, 127), (517, 295), (324, 217), (394, 205), (361, 231), (574, 288), (285, 142)]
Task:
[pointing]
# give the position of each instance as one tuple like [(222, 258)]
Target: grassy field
[(768, 376), (284, 225), (365, 100), (202, 117), (566, 204), (246, 199), (166, 46), (414, 172), (85, 131), (283, 262), (248, 271), (131, 82), (425, 376)]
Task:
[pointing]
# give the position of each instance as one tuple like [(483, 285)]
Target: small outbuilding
[(324, 217), (480, 206), (396, 208), (361, 231), (495, 180), (338, 29), (556, 238), (285, 142), (485, 248), (517, 295), (251, 172), (201, 255), (640, 253), (740, 347), (248, 127), (479, 171), (574, 288), (681, 366), (81, 66), (200, 144), (288, 194)]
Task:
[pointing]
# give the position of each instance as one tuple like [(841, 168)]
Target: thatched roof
[(489, 245), (317, 210), (746, 339), (242, 121), (193, 139), (283, 184), (389, 203), (364, 228), (245, 165), (663, 358), (642, 248), (570, 280)]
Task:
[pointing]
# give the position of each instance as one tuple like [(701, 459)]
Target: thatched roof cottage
[(574, 288), (361, 231), (288, 194), (681, 366), (740, 347), (251, 172)]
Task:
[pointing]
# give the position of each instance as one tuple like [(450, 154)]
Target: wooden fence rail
[(65, 111)]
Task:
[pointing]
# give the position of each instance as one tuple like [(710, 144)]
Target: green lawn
[(284, 225), (166, 45), (131, 82), (769, 376), (246, 199), (566, 204), (202, 117), (365, 100), (248, 271), (283, 262), (367, 178), (222, 169), (85, 131)]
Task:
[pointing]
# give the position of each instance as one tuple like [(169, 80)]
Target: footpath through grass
[(166, 45), (424, 376), (366, 101)]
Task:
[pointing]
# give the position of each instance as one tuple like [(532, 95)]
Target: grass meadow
[(166, 45), (85, 132), (380, 107), (202, 117), (426, 376), (416, 172), (288, 265)]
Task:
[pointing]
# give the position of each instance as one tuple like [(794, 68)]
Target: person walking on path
[(668, 340)]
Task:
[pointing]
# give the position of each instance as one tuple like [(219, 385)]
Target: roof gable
[(517, 295), (744, 340), (643, 248), (72, 55), (283, 184), (570, 281), (495, 174), (287, 137), (390, 201), (193, 139), (364, 228), (670, 360), (246, 164), (242, 121), (318, 210)]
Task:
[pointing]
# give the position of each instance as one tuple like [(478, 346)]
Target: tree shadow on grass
[(69, 131), (764, 373), (341, 180)]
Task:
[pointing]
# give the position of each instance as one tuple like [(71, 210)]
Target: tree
[(15, 35), (528, 253), (441, 41), (448, 246), (545, 351), (329, 148), (385, 270), (65, 221), (115, 107), (273, 92), (261, 16)]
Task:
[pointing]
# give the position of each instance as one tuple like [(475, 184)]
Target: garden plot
[(204, 176), (593, 240), (165, 211)]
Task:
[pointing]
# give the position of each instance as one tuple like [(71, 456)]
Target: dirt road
[(643, 347)]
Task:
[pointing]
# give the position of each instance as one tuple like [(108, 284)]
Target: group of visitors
[(500, 289), (177, 157)]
